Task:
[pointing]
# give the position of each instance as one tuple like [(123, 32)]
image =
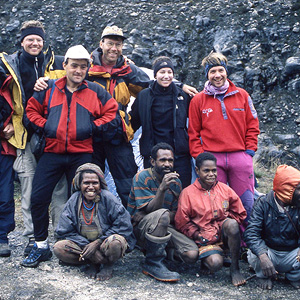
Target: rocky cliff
[(260, 38)]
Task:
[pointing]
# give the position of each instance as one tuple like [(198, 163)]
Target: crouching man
[(152, 204), (273, 234), (94, 226), (209, 212)]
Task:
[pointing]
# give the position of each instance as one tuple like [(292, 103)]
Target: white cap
[(77, 52)]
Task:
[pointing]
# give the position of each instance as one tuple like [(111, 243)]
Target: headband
[(32, 30), (208, 67)]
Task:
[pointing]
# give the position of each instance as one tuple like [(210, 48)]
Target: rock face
[(260, 39)]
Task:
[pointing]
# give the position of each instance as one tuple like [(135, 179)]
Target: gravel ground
[(53, 281)]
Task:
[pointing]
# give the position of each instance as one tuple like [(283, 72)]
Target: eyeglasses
[(111, 44)]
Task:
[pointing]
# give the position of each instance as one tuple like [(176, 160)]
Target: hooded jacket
[(52, 67), (125, 80), (268, 227)]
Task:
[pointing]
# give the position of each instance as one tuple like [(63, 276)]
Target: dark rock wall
[(260, 38)]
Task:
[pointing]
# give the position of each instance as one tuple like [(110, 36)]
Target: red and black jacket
[(69, 128)]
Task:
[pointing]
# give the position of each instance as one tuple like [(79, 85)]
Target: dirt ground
[(53, 281)]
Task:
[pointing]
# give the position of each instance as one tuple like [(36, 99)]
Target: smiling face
[(90, 186), (164, 162), (75, 71), (33, 44), (217, 76), (207, 174), (164, 77), (111, 50)]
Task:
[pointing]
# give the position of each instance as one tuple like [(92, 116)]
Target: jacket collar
[(120, 69), (61, 83)]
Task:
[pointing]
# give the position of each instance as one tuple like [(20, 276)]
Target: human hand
[(298, 256), (89, 250), (189, 90), (267, 266), (168, 179), (8, 131), (41, 84)]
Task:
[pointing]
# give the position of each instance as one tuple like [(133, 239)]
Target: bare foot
[(295, 284), (205, 270), (237, 278), (105, 273), (265, 283), (92, 271)]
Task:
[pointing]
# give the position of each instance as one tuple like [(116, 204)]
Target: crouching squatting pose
[(273, 233), (94, 226), (152, 204), (209, 212)]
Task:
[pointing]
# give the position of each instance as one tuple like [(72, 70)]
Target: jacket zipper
[(68, 120), (36, 65)]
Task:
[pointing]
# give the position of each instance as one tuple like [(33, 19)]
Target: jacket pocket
[(51, 126), (84, 125)]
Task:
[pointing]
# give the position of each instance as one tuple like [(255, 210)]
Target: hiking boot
[(35, 256), (29, 246), (4, 250)]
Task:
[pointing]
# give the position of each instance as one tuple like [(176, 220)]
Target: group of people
[(78, 104)]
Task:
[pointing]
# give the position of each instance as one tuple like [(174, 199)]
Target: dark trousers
[(182, 165), (121, 164), (49, 170), (7, 204)]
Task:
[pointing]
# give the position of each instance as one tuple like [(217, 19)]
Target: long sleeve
[(253, 234), (183, 221), (252, 130), (195, 126)]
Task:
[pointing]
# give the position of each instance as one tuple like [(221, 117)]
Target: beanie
[(164, 63)]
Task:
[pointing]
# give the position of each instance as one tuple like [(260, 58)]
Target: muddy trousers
[(283, 261)]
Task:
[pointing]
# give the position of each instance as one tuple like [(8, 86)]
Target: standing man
[(209, 212), (7, 156), (121, 80), (152, 204), (273, 233), (26, 66), (69, 112), (223, 121)]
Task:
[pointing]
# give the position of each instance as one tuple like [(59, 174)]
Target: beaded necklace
[(91, 208)]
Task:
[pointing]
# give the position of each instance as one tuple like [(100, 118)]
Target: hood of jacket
[(121, 68), (285, 182)]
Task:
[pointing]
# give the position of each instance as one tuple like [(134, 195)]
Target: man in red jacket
[(209, 212), (69, 112), (223, 121), (7, 157)]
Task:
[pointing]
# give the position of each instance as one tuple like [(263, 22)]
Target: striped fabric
[(143, 190)]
